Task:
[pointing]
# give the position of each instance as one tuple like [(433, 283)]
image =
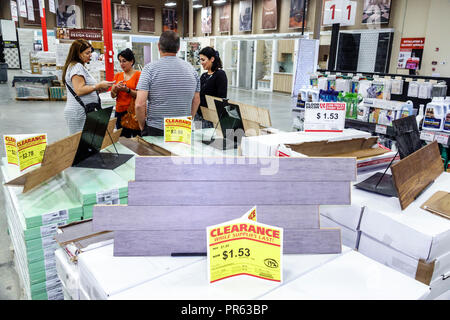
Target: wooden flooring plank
[(414, 173), (120, 217), (163, 243), (244, 169), (160, 193)]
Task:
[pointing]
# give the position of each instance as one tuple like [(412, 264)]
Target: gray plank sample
[(121, 217), (238, 193), (244, 169), (163, 243)]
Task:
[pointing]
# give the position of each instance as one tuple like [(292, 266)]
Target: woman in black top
[(214, 82)]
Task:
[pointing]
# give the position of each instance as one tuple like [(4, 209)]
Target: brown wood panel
[(414, 173)]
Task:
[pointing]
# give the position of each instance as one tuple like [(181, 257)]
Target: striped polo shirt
[(171, 83)]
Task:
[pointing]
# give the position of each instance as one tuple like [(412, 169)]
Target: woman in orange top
[(124, 89)]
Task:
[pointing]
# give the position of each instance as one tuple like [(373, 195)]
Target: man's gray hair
[(169, 42)]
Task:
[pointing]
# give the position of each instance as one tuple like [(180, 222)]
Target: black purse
[(90, 107)]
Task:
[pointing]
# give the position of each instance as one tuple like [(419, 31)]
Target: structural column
[(107, 39), (43, 24)]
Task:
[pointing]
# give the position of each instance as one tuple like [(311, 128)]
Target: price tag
[(31, 150), (324, 116), (178, 130), (441, 138), (244, 247), (54, 217), (427, 136), (382, 129), (11, 150)]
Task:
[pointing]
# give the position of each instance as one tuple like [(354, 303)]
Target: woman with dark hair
[(124, 90), (78, 79), (213, 82)]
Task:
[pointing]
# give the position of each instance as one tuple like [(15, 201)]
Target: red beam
[(107, 39)]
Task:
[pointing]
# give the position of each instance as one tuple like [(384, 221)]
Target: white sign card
[(14, 11), (30, 9), (324, 116), (339, 11), (22, 8)]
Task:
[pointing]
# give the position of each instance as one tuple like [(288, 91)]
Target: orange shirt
[(123, 99)]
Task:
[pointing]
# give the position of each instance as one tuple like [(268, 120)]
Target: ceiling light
[(170, 3), (219, 1), (122, 2), (197, 4)]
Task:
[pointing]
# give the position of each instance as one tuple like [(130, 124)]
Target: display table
[(348, 275)]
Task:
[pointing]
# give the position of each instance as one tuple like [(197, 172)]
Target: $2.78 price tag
[(324, 116)]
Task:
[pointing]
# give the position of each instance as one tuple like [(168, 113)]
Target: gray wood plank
[(122, 217), (238, 193), (244, 169), (163, 243)]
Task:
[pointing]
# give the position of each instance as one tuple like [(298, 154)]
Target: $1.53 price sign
[(324, 116), (244, 247)]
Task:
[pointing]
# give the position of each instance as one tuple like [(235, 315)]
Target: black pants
[(152, 131), (126, 132)]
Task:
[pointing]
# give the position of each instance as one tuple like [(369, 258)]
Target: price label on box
[(441, 138), (324, 116), (427, 136), (380, 128)]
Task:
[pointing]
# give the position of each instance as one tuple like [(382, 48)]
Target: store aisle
[(20, 117)]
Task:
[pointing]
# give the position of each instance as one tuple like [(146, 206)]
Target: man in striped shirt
[(169, 87)]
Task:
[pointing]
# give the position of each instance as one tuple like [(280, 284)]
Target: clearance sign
[(244, 247), (178, 130), (25, 151)]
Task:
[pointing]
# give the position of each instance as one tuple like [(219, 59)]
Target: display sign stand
[(88, 153)]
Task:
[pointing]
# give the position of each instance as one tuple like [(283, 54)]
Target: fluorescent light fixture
[(219, 1), (197, 4), (170, 3)]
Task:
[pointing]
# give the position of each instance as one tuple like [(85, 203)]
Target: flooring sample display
[(253, 118), (414, 173), (57, 157), (170, 204), (180, 242), (141, 147), (171, 218), (439, 204), (237, 193), (245, 169)]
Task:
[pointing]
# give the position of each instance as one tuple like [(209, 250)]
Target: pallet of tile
[(93, 186)]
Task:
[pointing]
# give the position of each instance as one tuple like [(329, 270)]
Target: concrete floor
[(24, 117)]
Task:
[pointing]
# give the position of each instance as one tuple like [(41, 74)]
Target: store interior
[(343, 137)]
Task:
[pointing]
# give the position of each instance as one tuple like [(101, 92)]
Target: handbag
[(128, 120), (90, 107)]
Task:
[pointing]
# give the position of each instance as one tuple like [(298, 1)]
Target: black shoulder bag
[(90, 107)]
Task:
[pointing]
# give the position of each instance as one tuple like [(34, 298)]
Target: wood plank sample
[(162, 243), (439, 204), (57, 157), (141, 218), (244, 169), (238, 193), (138, 147), (414, 173)]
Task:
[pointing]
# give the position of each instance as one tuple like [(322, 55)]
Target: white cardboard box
[(103, 275), (348, 215), (413, 231), (191, 282), (352, 276), (350, 238), (68, 274), (399, 260), (439, 287)]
